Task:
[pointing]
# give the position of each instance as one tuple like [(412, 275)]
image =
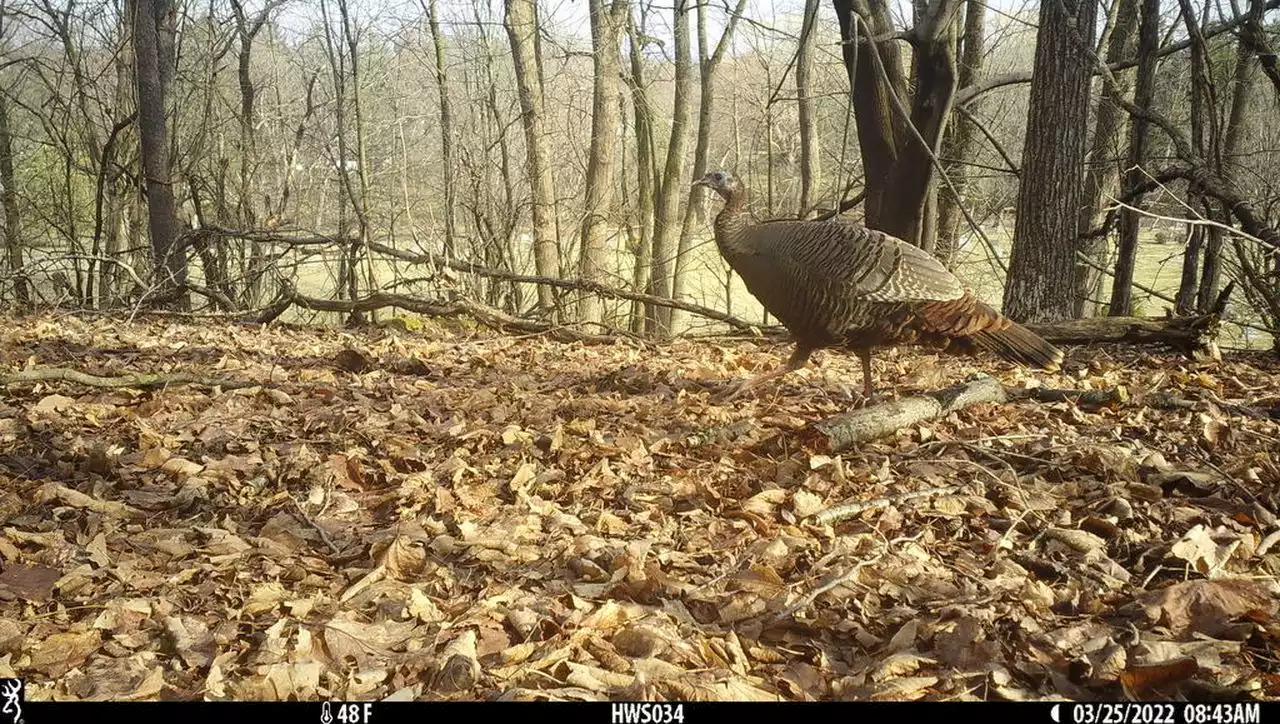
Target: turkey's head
[(722, 182)]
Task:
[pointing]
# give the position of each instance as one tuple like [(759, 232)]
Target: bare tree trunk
[(247, 29), (708, 62), (446, 132), (646, 171), (1046, 239), (1144, 92), (606, 21), (522, 29), (960, 145), (898, 168), (1102, 176), (1189, 282), (118, 195), (348, 268), (359, 202), (675, 183), (810, 155), (151, 75), (1242, 87), (12, 228)]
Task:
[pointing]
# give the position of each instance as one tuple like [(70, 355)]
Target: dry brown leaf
[(907, 688), (191, 639), (32, 583), (461, 667), (1207, 607), (62, 652), (1206, 555), (898, 664), (638, 641)]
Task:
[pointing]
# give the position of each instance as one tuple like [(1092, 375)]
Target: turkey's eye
[(720, 177)]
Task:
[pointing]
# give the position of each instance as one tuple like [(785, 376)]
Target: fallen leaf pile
[(434, 514)]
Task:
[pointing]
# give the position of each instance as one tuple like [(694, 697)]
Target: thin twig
[(139, 381), (843, 512)]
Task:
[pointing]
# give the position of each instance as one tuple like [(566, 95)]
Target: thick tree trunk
[(606, 20), (1042, 263), (1242, 88), (1144, 92), (1102, 178), (675, 182), (522, 29), (151, 54), (1189, 281), (899, 170)]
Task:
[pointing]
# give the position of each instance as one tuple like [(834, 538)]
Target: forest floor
[(433, 514)]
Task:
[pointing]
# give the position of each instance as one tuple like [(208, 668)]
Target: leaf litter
[(439, 515)]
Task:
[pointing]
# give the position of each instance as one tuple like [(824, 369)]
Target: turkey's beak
[(701, 182)]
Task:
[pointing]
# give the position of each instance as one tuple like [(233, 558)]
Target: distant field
[(1159, 268)]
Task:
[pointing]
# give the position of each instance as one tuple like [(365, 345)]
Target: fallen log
[(1083, 398), (1195, 337), (488, 316), (843, 432), (846, 431), (138, 381)]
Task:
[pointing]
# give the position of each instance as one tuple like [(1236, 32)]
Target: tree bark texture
[(646, 172), (1102, 177), (1042, 265), (152, 56), (959, 145), (1143, 94), (11, 223), (448, 185), (898, 168), (522, 30), (675, 182), (810, 157), (606, 21), (708, 61)]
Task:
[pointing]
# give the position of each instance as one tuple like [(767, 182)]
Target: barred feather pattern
[(838, 284)]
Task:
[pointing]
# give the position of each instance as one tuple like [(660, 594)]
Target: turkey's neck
[(731, 220)]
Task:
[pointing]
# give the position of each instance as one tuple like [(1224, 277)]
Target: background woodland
[(529, 163)]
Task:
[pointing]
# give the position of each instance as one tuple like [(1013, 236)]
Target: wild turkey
[(838, 284)]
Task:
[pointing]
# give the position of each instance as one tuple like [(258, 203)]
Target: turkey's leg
[(865, 356), (797, 360)]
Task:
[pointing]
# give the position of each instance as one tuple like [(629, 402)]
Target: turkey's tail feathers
[(1016, 343), (967, 326)]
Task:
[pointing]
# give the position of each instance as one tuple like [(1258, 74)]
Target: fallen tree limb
[(843, 432), (580, 285), (439, 260), (141, 382), (488, 316), (1086, 398), (1192, 336), (847, 431), (76, 499)]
